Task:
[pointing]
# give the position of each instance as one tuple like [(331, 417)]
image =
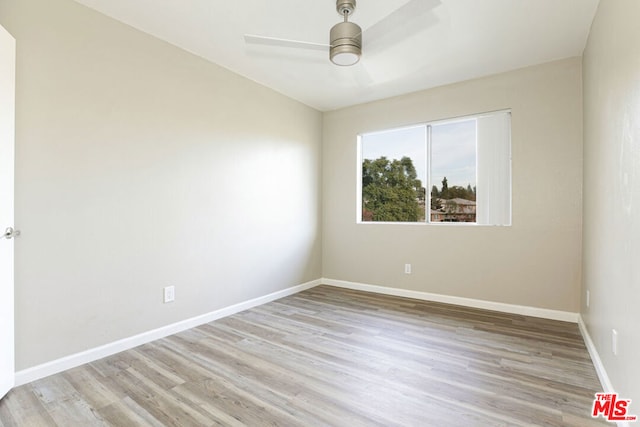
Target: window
[(465, 163)]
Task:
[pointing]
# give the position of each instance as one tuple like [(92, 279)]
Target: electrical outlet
[(588, 299), (169, 294), (407, 269), (614, 342)]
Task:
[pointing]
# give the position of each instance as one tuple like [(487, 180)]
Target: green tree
[(453, 192), (436, 203), (391, 190), (458, 192), (435, 192)]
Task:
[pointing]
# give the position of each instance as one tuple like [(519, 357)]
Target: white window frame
[(505, 152)]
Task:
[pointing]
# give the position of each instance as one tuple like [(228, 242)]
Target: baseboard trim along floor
[(53, 367), (332, 356), (607, 386), (544, 313), (595, 358), (49, 368)]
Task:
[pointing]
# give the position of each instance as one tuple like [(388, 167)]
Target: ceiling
[(408, 45)]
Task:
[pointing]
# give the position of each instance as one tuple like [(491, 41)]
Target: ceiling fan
[(345, 38)]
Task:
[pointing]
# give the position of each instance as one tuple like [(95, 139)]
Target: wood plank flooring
[(331, 357)]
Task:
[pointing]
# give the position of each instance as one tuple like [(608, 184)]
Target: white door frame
[(7, 147)]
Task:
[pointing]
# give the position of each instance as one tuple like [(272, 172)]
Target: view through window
[(450, 158), (453, 172), (393, 175)]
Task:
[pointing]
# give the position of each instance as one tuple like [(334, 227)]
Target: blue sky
[(453, 150), (453, 153)]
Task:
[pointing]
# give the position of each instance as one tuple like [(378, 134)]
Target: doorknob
[(10, 233)]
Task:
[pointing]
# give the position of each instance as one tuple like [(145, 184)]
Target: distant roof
[(459, 201)]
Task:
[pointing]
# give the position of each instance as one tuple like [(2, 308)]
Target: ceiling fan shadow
[(364, 79)]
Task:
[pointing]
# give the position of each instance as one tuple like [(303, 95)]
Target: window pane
[(453, 172), (393, 175)]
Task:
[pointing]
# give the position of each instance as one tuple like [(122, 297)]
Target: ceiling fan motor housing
[(346, 43), (345, 6), (345, 37)]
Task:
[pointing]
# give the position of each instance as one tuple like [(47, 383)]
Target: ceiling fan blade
[(364, 80), (274, 41), (414, 16)]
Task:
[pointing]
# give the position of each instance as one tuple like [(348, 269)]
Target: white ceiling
[(408, 45)]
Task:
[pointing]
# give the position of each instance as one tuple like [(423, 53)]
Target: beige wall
[(536, 262), (138, 166), (612, 191)]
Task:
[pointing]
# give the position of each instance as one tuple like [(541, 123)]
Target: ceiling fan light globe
[(345, 58)]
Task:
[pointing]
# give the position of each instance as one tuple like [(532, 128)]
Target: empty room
[(319, 213)]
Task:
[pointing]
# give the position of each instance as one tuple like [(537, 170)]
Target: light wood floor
[(331, 357)]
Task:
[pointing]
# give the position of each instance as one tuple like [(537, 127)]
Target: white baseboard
[(595, 358), (524, 310), (607, 386), (74, 360), (55, 366)]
